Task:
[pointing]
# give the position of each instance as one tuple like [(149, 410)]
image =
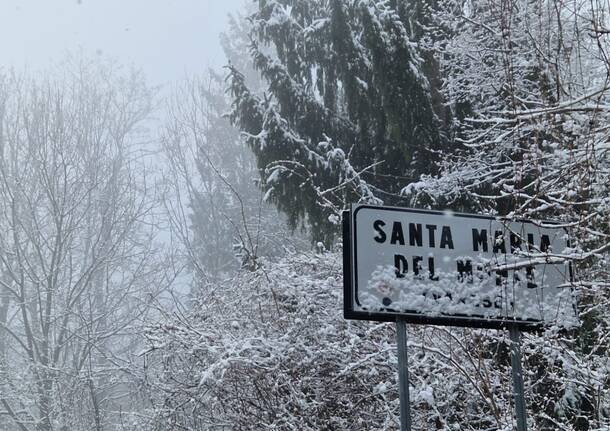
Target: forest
[(172, 260)]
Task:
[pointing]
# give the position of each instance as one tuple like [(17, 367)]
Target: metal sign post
[(515, 360), (403, 375)]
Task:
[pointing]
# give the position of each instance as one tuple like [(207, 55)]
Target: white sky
[(166, 38)]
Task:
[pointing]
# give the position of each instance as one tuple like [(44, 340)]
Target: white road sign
[(456, 269)]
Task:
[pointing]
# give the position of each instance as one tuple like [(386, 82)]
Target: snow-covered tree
[(346, 111), (528, 84), (78, 268)]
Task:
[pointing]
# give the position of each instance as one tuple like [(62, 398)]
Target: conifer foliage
[(346, 112)]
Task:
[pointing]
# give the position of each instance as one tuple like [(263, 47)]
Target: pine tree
[(345, 93)]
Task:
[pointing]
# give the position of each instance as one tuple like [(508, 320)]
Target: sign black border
[(466, 321)]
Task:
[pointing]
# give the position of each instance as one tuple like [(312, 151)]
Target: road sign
[(454, 269)]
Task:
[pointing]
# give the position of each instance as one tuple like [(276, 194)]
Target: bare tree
[(217, 210), (76, 244)]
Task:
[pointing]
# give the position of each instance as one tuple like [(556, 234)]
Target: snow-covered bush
[(270, 349)]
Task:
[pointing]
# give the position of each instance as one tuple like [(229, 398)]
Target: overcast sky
[(166, 38)]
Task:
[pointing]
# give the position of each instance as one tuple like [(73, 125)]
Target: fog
[(167, 39)]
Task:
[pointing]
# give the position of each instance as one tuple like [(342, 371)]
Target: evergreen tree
[(346, 104)]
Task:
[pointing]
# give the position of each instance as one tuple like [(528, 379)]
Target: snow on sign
[(454, 269)]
